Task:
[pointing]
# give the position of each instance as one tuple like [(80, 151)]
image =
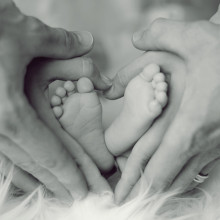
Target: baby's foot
[(145, 97), (79, 112)]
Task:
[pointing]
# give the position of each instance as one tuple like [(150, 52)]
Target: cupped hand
[(190, 144), (25, 139), (133, 163)]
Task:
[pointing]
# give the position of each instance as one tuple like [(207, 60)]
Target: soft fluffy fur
[(95, 207)]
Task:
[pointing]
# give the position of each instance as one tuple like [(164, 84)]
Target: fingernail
[(107, 80), (137, 35), (85, 38)]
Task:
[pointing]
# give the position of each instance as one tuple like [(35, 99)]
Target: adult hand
[(39, 75), (131, 164), (191, 143), (24, 138)]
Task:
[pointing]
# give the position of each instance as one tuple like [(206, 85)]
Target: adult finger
[(206, 171), (57, 42), (27, 163), (191, 170), (209, 152), (171, 155), (19, 178), (162, 34), (31, 135), (73, 69), (39, 39), (176, 37), (138, 159), (124, 76), (148, 144), (121, 162), (175, 150), (95, 181)]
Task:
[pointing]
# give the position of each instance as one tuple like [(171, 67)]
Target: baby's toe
[(155, 107), (149, 72), (84, 85), (61, 92), (70, 87), (55, 101), (161, 97), (161, 87), (58, 111), (159, 77)]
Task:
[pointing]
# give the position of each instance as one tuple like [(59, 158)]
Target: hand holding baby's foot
[(144, 99), (79, 112)]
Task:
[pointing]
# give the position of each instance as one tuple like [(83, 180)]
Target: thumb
[(46, 71), (57, 43), (62, 44)]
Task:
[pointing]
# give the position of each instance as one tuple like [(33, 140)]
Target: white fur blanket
[(101, 207)]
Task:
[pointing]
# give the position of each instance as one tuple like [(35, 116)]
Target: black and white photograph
[(109, 109)]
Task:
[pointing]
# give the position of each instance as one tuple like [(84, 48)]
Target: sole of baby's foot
[(79, 111), (144, 99)]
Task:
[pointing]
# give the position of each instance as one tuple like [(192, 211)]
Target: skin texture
[(24, 137), (190, 143)]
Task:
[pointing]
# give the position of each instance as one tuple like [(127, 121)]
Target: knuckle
[(155, 27), (123, 79), (29, 166), (196, 143), (49, 163), (160, 185), (36, 32), (141, 155), (34, 25), (52, 163), (195, 28), (12, 24), (88, 66), (68, 37), (205, 34)]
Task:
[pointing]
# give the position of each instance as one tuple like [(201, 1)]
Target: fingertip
[(62, 44), (85, 39), (137, 36), (107, 80), (119, 194), (116, 91)]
